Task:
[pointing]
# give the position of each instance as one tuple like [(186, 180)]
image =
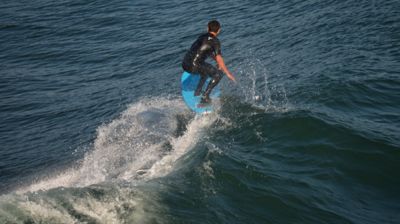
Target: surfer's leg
[(203, 79), (194, 70), (216, 76)]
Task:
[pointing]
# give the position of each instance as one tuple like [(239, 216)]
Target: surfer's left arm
[(222, 66), (220, 61)]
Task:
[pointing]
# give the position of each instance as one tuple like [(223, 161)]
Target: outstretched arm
[(222, 66)]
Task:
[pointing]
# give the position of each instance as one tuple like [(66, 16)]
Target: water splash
[(93, 204), (143, 143), (181, 145), (258, 87), (112, 182)]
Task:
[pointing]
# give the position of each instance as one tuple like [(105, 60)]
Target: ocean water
[(93, 128)]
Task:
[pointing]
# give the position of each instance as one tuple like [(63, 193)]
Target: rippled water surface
[(93, 129)]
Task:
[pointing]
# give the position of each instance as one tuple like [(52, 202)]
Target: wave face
[(93, 128), (110, 183)]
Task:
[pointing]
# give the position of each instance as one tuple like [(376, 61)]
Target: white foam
[(181, 145), (132, 147), (112, 205)]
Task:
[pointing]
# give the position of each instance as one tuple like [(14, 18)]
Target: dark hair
[(213, 26)]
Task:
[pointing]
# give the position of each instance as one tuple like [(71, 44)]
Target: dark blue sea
[(93, 128)]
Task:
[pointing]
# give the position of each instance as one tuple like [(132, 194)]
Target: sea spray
[(142, 143), (258, 86)]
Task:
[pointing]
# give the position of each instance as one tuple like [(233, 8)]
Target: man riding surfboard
[(207, 45)]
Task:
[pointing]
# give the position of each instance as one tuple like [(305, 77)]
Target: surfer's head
[(214, 27)]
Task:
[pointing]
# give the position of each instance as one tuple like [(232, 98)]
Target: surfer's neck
[(214, 34)]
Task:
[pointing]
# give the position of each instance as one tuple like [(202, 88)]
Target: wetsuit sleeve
[(217, 47)]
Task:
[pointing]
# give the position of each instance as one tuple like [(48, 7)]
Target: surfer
[(206, 45)]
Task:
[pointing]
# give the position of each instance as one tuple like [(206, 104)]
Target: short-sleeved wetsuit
[(206, 45)]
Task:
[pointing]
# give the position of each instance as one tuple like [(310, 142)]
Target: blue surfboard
[(189, 83)]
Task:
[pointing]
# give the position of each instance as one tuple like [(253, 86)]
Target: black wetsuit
[(194, 61)]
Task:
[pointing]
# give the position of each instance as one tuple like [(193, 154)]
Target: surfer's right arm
[(222, 66)]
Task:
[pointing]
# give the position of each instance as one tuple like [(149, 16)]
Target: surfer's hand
[(231, 77)]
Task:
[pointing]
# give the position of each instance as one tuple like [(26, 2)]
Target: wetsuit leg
[(194, 71), (203, 79), (216, 75)]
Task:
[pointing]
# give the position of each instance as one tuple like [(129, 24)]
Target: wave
[(111, 183), (143, 143)]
